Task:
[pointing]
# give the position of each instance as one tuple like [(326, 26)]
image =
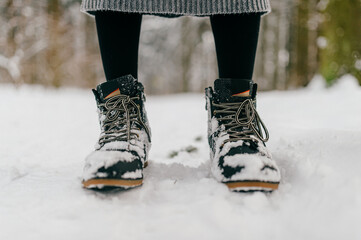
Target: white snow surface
[(46, 134)]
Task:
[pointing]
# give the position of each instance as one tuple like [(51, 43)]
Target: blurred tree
[(303, 44), (9, 14), (191, 37), (55, 46), (273, 54), (341, 30)]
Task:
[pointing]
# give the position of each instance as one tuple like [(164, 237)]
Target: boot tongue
[(126, 85), (230, 89)]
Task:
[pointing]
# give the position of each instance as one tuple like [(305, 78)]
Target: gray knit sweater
[(178, 7)]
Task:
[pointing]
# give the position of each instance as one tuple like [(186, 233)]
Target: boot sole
[(120, 183), (113, 183), (252, 186)]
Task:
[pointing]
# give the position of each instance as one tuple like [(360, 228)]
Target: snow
[(99, 159), (253, 164), (346, 83), (46, 134), (133, 175), (317, 83)]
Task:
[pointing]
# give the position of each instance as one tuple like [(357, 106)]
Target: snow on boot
[(122, 150), (239, 155)]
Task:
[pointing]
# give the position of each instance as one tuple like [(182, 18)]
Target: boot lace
[(241, 121), (121, 112)]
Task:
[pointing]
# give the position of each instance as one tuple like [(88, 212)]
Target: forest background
[(51, 43)]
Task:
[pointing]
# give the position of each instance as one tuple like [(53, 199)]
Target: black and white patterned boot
[(237, 138), (122, 150)]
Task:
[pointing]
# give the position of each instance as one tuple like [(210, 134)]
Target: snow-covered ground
[(315, 138)]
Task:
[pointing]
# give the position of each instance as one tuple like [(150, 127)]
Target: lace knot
[(120, 113)]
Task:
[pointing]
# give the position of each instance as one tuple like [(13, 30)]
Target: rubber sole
[(106, 183), (122, 183), (252, 186)]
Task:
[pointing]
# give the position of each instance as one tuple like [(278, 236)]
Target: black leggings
[(118, 35), (235, 36)]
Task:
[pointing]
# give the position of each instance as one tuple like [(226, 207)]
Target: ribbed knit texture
[(178, 7)]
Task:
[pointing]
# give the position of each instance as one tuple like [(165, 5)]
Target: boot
[(125, 139), (237, 136)]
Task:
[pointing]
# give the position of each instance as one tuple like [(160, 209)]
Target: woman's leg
[(239, 134), (118, 35), (236, 38), (120, 102)]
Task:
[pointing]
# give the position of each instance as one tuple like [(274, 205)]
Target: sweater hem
[(181, 8)]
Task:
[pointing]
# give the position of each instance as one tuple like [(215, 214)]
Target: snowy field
[(45, 135)]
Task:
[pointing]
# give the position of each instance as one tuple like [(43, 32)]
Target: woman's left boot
[(237, 137), (125, 139)]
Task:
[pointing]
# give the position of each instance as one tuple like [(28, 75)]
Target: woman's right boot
[(125, 139)]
